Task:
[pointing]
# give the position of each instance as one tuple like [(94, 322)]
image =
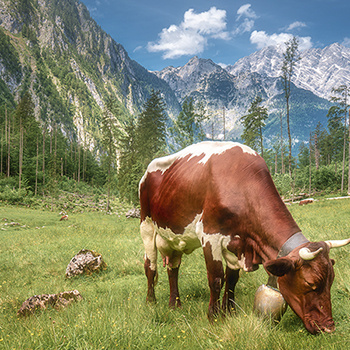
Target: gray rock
[(41, 302), (86, 261)]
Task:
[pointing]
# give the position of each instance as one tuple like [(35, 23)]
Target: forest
[(44, 159), (40, 161)]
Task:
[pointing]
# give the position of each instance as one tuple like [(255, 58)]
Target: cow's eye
[(311, 285)]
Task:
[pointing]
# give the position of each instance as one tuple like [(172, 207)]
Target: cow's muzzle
[(314, 328)]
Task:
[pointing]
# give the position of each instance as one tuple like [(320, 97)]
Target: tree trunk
[(51, 140), (9, 148), (108, 185), (289, 140), (276, 164), (5, 123), (261, 144), (223, 115), (282, 159), (36, 167), (349, 158), (55, 151), (2, 144), (344, 147), (20, 153), (79, 164), (317, 153), (310, 166), (44, 133)]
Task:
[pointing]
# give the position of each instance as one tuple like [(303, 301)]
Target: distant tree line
[(34, 157)]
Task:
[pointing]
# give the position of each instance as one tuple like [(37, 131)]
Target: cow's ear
[(279, 267)]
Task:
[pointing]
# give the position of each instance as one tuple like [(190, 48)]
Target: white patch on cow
[(186, 242), (148, 236), (206, 148), (166, 241), (218, 243)]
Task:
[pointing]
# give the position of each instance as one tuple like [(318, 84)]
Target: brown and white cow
[(220, 195)]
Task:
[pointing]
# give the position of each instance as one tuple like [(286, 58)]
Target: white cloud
[(210, 22), (346, 42), (191, 36), (261, 40), (296, 25), (249, 16), (246, 11), (244, 27)]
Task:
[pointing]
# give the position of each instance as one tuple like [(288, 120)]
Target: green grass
[(113, 313)]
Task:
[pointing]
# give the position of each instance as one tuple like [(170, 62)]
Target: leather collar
[(289, 245)]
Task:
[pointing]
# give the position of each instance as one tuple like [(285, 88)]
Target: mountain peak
[(318, 71), (198, 66)]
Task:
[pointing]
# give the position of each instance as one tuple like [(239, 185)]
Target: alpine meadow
[(80, 121)]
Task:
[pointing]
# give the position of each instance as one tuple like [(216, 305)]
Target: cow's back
[(176, 188)]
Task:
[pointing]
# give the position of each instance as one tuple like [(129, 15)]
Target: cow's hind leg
[(215, 273), (148, 236), (228, 301), (152, 276), (173, 266), (171, 260)]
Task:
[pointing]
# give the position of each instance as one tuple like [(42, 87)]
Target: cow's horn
[(337, 244), (306, 254)]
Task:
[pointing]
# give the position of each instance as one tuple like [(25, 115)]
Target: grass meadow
[(114, 314)]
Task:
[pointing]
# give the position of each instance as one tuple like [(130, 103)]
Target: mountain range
[(233, 88), (70, 65)]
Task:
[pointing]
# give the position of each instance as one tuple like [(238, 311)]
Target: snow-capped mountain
[(318, 71), (233, 89)]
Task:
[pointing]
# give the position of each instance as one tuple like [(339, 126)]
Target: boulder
[(86, 261), (41, 302)]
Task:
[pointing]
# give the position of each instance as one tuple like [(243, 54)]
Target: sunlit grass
[(113, 313)]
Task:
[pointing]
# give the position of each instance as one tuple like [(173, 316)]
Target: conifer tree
[(130, 164), (187, 127), (24, 118), (110, 135), (340, 112), (151, 129), (253, 124), (290, 59)]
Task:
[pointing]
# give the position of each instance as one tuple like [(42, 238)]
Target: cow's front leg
[(215, 273), (228, 301)]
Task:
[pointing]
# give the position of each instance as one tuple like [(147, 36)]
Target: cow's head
[(305, 279)]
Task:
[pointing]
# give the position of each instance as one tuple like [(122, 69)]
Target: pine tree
[(130, 164), (339, 113), (151, 129), (253, 123), (290, 59), (110, 135), (187, 128), (24, 118)]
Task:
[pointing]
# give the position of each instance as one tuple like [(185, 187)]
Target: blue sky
[(164, 33)]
